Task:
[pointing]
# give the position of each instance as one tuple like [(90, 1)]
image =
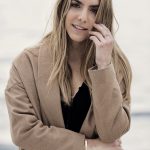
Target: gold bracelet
[(85, 144)]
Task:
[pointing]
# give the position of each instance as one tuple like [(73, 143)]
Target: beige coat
[(35, 113)]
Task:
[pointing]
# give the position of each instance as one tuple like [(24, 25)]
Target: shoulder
[(29, 63), (28, 54), (31, 55)]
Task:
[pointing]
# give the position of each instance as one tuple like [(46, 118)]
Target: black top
[(75, 114)]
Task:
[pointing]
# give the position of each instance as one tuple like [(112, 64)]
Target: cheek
[(92, 20), (67, 20), (70, 16)]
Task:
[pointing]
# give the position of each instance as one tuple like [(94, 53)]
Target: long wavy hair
[(59, 46)]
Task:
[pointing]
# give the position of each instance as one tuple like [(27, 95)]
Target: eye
[(76, 5), (94, 11)]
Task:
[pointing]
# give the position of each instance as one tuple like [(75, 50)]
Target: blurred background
[(23, 23)]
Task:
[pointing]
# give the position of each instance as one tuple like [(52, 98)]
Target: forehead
[(88, 2)]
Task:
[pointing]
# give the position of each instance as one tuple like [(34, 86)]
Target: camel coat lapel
[(51, 99)]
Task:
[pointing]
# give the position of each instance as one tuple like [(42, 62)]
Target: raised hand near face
[(104, 43)]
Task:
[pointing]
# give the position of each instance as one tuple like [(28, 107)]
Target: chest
[(76, 83)]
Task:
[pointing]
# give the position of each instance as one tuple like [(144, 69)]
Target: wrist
[(103, 65)]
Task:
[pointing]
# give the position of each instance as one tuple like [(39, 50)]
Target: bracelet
[(85, 144), (102, 67)]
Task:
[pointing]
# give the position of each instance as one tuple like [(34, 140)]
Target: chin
[(78, 38)]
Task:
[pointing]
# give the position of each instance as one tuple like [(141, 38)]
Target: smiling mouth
[(79, 27)]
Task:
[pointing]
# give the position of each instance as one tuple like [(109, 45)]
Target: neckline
[(72, 97)]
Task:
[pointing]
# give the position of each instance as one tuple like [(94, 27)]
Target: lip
[(80, 28)]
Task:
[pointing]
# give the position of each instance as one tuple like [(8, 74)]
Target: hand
[(96, 144), (104, 43)]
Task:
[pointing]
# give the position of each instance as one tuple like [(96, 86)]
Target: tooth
[(79, 27)]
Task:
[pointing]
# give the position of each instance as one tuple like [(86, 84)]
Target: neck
[(76, 50)]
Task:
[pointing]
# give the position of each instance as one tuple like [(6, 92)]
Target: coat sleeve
[(111, 109), (27, 131)]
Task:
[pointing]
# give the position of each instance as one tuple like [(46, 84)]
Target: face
[(80, 19)]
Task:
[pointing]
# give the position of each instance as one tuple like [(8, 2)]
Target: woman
[(72, 90)]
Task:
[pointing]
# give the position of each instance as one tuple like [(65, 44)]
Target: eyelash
[(78, 6), (75, 5)]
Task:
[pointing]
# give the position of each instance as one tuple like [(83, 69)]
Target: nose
[(83, 16)]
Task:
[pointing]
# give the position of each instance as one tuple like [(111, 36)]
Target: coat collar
[(51, 100)]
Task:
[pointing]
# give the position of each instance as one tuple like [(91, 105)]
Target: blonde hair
[(59, 43)]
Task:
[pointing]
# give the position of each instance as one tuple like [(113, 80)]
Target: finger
[(103, 30), (117, 143), (119, 140), (98, 35), (105, 27), (96, 41)]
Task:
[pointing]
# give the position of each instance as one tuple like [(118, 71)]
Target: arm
[(27, 131), (111, 110)]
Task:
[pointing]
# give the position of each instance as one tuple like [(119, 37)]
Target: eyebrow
[(92, 6)]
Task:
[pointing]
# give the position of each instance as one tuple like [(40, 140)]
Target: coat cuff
[(105, 75)]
